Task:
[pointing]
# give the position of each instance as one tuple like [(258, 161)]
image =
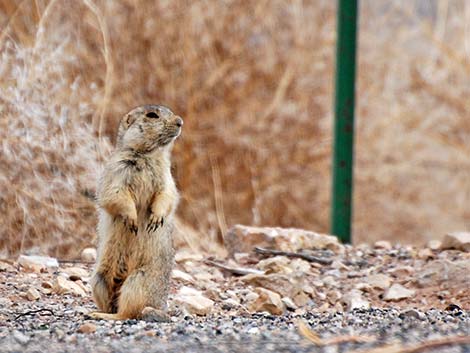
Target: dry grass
[(253, 81)]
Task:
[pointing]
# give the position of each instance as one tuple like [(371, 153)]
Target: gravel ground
[(41, 331), (43, 309)]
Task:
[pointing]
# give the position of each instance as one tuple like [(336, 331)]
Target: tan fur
[(137, 198)]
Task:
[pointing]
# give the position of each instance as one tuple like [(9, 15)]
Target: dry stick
[(108, 87), (34, 312), (307, 257), (421, 347), (315, 339), (218, 194), (235, 270)]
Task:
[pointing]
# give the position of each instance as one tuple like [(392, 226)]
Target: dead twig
[(315, 339), (299, 255), (32, 312), (241, 271), (420, 347)]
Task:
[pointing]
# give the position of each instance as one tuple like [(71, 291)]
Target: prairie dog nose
[(178, 121)]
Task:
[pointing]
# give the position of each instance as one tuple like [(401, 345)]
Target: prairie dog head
[(148, 127)]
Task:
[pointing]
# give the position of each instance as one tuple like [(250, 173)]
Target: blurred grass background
[(254, 82)]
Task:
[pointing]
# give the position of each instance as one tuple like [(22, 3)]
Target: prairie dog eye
[(152, 115)]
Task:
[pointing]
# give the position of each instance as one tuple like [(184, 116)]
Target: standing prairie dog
[(137, 198)]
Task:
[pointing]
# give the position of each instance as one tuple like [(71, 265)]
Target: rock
[(204, 276), (275, 264), (89, 255), (383, 244), (289, 303), (81, 310), (76, 273), (241, 257), (20, 337), (189, 291), (183, 256), (243, 239), (87, 328), (413, 314), (434, 244), (64, 286), (193, 301), (330, 281), (299, 265), (230, 303), (453, 273), (267, 301), (379, 281), (287, 286), (6, 267), (47, 284), (425, 254), (397, 292), (33, 294), (253, 331), (182, 276), (301, 299), (458, 241), (37, 263), (150, 314), (354, 300), (251, 297), (402, 271), (308, 289)]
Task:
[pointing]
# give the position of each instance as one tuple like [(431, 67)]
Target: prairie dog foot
[(104, 316)]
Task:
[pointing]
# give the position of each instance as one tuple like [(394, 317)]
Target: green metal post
[(341, 209)]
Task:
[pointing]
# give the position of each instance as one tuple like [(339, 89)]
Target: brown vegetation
[(253, 81)]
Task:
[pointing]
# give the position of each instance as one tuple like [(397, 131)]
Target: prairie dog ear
[(126, 122)]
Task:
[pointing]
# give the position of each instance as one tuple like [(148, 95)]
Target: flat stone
[(383, 244), (413, 314), (379, 281), (76, 273), (230, 303), (185, 290), (241, 239), (401, 271), (6, 267), (301, 299), (89, 255), (33, 294), (444, 271), (299, 265), (251, 296), (397, 292), (286, 286), (87, 328), (182, 276), (64, 286), (37, 263), (434, 244), (425, 254), (289, 303), (20, 337), (267, 301), (275, 264), (193, 301), (183, 256), (458, 241), (354, 300)]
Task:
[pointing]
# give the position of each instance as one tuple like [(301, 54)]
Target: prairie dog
[(137, 198)]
